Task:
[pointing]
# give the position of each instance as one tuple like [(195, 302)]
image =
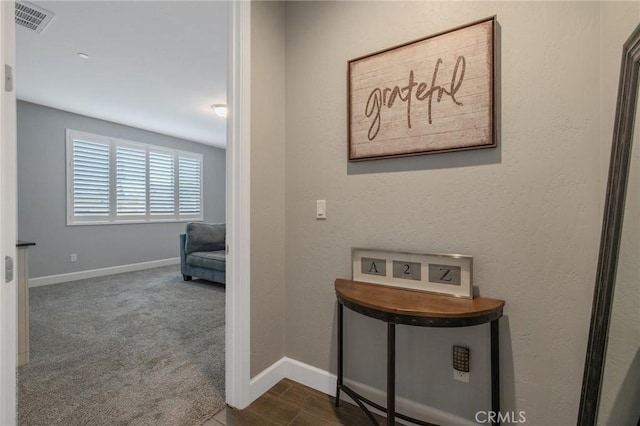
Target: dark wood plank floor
[(290, 403)]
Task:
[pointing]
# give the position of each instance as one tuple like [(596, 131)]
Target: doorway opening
[(110, 228)]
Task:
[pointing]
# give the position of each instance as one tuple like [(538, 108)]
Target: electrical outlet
[(74, 257), (461, 376)]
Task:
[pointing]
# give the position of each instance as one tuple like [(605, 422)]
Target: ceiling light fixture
[(220, 109), (83, 55)]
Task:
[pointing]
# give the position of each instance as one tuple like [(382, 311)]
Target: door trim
[(238, 209), (8, 224)]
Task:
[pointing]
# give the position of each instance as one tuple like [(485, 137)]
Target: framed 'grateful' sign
[(431, 95)]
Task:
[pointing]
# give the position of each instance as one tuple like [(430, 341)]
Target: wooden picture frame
[(431, 95)]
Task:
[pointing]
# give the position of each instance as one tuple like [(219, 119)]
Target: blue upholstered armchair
[(202, 252)]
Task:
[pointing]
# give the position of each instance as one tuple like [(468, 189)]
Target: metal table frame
[(392, 320)]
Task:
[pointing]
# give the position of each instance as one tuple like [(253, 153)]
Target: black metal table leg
[(340, 337), (384, 304), (495, 370), (391, 373)]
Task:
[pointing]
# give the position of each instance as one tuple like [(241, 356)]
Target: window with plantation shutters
[(189, 185), (90, 179), (162, 198), (131, 181), (115, 181)]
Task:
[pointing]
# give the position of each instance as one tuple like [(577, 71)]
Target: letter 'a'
[(373, 267)]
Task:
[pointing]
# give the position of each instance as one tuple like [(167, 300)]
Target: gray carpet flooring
[(141, 348)]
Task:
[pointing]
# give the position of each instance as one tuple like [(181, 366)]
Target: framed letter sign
[(431, 95)]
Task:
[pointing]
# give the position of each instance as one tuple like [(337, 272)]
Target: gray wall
[(529, 212), (267, 184), (42, 200)]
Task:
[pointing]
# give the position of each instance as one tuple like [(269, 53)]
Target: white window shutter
[(113, 181), (131, 181), (189, 186), (91, 186), (161, 183)]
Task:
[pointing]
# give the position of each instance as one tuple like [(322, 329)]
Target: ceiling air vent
[(32, 17)]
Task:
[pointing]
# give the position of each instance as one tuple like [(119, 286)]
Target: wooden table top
[(412, 303)]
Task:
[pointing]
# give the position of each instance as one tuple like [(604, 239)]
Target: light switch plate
[(321, 209)]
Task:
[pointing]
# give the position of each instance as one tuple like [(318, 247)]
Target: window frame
[(113, 218)]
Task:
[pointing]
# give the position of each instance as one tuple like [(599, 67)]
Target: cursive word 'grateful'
[(388, 96)]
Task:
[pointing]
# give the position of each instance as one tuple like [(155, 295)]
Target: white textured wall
[(529, 212), (267, 184)]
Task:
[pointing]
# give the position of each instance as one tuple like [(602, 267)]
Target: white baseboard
[(297, 371), (267, 379), (313, 377), (101, 272), (325, 382)]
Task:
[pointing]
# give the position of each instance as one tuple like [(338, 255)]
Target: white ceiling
[(155, 65)]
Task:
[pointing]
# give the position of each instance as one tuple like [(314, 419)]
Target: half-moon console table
[(395, 305)]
